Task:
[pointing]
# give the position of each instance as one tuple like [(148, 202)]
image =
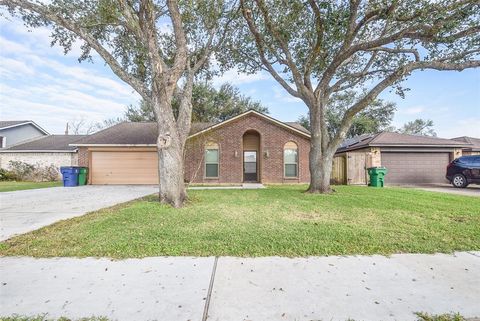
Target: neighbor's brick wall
[(83, 157), (229, 139), (44, 159)]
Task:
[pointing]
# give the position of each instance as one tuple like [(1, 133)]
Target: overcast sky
[(40, 83)]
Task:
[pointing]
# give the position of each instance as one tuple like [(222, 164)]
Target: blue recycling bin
[(70, 175)]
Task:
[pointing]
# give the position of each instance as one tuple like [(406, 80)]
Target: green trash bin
[(377, 176), (82, 175)]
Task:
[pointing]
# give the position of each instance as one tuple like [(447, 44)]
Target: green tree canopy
[(209, 104), (423, 127), (375, 118)]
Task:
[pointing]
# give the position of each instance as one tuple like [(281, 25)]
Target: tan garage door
[(415, 168), (124, 167)]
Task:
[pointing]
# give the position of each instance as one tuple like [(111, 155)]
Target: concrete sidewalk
[(257, 289)]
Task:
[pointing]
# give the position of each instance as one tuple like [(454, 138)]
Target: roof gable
[(5, 124), (295, 128), (475, 142), (145, 133)]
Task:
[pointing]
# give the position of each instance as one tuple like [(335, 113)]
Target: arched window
[(290, 159), (211, 160)]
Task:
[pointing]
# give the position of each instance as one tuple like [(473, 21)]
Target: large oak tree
[(315, 49), (157, 47)]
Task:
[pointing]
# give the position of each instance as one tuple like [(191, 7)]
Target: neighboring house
[(474, 149), (13, 132), (51, 149), (410, 159), (250, 147)]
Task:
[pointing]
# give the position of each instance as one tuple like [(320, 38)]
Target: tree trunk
[(321, 157), (171, 175), (170, 161), (320, 169)]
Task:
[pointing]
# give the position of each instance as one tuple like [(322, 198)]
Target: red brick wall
[(83, 157), (229, 138)]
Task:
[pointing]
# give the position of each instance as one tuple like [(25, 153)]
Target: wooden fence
[(350, 168), (339, 170)]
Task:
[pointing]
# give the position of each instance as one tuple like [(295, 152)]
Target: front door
[(250, 166)]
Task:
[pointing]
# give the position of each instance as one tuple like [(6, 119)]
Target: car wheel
[(459, 181)]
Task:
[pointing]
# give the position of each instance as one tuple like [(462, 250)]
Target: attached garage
[(415, 168), (124, 167)]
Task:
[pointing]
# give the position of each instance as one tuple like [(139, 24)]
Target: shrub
[(48, 173), (35, 173), (6, 175)]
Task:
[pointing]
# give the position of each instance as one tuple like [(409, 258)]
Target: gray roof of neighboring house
[(8, 123), (145, 133), (13, 123), (396, 140), (47, 143), (475, 142)]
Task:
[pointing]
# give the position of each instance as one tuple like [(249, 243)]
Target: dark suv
[(464, 170)]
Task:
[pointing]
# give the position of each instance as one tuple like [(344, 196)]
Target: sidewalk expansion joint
[(210, 289)]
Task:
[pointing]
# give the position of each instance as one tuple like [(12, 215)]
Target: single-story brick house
[(473, 149), (251, 147), (410, 159), (45, 151)]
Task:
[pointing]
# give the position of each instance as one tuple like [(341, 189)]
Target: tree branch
[(45, 13), (388, 81), (247, 14), (181, 53)]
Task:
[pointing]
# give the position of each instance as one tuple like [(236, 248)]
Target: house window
[(211, 160), (290, 160)]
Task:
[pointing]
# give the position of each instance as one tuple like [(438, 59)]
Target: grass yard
[(18, 186), (279, 220)]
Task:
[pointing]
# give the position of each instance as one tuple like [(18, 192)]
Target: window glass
[(290, 159), (290, 170), (290, 156), (211, 156), (211, 170), (211, 162)]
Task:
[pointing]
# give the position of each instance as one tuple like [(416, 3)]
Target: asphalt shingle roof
[(144, 133), (469, 140), (46, 143), (397, 139)]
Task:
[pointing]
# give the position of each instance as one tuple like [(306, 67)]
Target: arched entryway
[(251, 156)]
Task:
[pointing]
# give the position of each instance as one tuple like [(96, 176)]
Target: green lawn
[(18, 186), (279, 220)]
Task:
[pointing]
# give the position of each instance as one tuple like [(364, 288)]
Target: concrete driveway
[(471, 190), (25, 211), (231, 289)]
